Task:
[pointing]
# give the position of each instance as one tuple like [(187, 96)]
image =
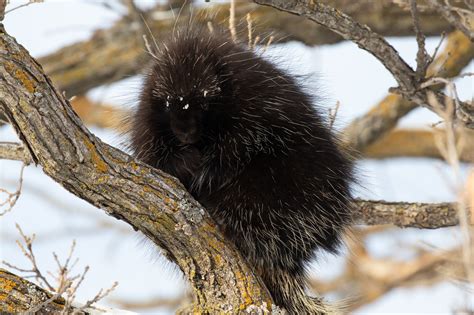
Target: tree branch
[(419, 143), (3, 5), (405, 214), (115, 53), (148, 199), (383, 117), (14, 151), (18, 295), (457, 20), (372, 42)]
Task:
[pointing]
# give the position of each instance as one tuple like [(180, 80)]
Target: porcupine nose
[(186, 138), (186, 134)]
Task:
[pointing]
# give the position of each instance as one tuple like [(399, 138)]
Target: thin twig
[(460, 20), (12, 198), (66, 283), (370, 41), (23, 5), (449, 150), (423, 60)]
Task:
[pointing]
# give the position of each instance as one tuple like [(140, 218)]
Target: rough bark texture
[(405, 214), (18, 295), (3, 4), (374, 43), (14, 151), (148, 199), (112, 54)]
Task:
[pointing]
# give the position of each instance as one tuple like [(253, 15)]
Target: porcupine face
[(182, 116), (187, 93)]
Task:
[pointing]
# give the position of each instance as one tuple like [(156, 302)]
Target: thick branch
[(100, 115), (419, 143), (112, 54), (148, 199), (365, 38), (405, 214), (18, 295)]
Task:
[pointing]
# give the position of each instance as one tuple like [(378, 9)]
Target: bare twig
[(368, 40), (19, 295), (66, 284), (23, 5), (12, 198), (380, 119), (449, 149), (117, 52), (99, 296), (458, 17), (423, 60), (27, 249)]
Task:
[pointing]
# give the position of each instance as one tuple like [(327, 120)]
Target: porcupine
[(248, 143)]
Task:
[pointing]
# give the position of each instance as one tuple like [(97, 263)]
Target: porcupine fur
[(247, 142)]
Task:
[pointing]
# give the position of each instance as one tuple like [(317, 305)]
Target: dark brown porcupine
[(249, 145)]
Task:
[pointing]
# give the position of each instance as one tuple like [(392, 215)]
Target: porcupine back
[(248, 143)]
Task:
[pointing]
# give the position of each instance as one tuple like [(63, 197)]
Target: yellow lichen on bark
[(448, 62), (7, 287), (21, 76), (96, 159), (27, 83)]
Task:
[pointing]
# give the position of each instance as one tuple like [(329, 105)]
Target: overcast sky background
[(340, 72)]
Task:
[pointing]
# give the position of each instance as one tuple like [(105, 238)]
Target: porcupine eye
[(206, 99), (167, 104)]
